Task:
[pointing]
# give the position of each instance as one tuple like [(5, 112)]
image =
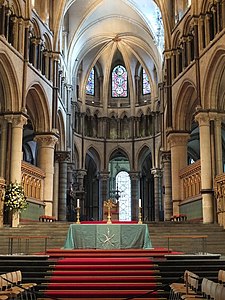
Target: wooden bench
[(178, 218), (45, 218)]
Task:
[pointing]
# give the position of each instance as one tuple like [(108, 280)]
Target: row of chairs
[(11, 287), (189, 289)]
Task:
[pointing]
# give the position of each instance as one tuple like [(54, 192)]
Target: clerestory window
[(119, 82)]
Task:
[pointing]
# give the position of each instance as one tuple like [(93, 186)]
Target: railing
[(32, 181), (191, 181), (219, 192)]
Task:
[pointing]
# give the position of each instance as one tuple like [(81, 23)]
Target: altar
[(108, 236)]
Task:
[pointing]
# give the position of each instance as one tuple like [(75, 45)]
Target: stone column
[(178, 144), (17, 123), (5, 139), (218, 145), (2, 188), (157, 192), (206, 166), (80, 174), (103, 190), (55, 209), (167, 193), (62, 157), (135, 177), (46, 145)]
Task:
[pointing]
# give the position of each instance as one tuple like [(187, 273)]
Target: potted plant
[(15, 201)]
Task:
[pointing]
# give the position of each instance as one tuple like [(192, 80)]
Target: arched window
[(119, 82), (146, 88), (90, 87), (124, 186)]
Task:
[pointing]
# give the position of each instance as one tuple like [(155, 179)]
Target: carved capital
[(46, 140), (202, 118), (104, 176), (134, 176), (166, 157), (18, 120), (178, 139), (62, 156), (156, 172)]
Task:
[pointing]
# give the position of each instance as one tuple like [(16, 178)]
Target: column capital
[(81, 173), (134, 176), (156, 172), (104, 175), (17, 120), (202, 118), (48, 140), (166, 156), (62, 156), (178, 138)]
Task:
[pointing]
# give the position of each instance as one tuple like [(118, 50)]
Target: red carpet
[(98, 274)]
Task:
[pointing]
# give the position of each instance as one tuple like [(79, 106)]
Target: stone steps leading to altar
[(56, 231)]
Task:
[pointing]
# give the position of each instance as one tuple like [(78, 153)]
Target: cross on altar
[(109, 204)]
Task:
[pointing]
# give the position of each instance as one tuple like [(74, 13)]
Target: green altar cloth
[(108, 236)]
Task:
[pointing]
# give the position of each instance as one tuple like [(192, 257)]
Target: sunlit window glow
[(119, 82), (90, 87), (146, 88)]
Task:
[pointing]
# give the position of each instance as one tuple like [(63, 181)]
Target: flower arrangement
[(14, 197)]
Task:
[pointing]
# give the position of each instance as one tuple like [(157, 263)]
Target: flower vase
[(15, 218)]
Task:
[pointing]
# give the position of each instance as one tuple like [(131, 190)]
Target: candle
[(78, 203), (139, 202)]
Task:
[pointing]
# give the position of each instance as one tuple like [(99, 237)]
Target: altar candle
[(78, 202), (139, 202)]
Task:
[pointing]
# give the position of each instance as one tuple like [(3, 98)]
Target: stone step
[(57, 232)]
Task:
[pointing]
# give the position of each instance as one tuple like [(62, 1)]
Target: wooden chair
[(204, 293), (221, 276), (189, 287), (6, 288), (28, 287), (220, 292)]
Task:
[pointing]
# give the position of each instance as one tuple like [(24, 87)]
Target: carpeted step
[(108, 298), (106, 267), (103, 285), (101, 293), (104, 273), (100, 261), (112, 279)]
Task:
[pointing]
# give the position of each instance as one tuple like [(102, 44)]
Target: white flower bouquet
[(14, 197)]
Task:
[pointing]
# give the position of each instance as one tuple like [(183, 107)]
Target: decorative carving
[(178, 139), (62, 156), (48, 140)]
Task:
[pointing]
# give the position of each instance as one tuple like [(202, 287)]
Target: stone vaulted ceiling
[(97, 29)]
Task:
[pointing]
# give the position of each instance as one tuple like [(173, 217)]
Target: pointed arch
[(38, 108), (61, 145), (185, 104), (92, 152), (11, 100), (213, 85)]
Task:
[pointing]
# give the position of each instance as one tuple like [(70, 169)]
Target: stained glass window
[(90, 87), (119, 82), (146, 88)]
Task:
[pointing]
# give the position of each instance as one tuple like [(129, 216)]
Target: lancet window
[(90, 87), (119, 82)]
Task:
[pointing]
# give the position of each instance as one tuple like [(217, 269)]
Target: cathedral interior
[(121, 100)]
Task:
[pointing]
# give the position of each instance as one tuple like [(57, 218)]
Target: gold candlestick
[(78, 215), (139, 215), (109, 204)]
